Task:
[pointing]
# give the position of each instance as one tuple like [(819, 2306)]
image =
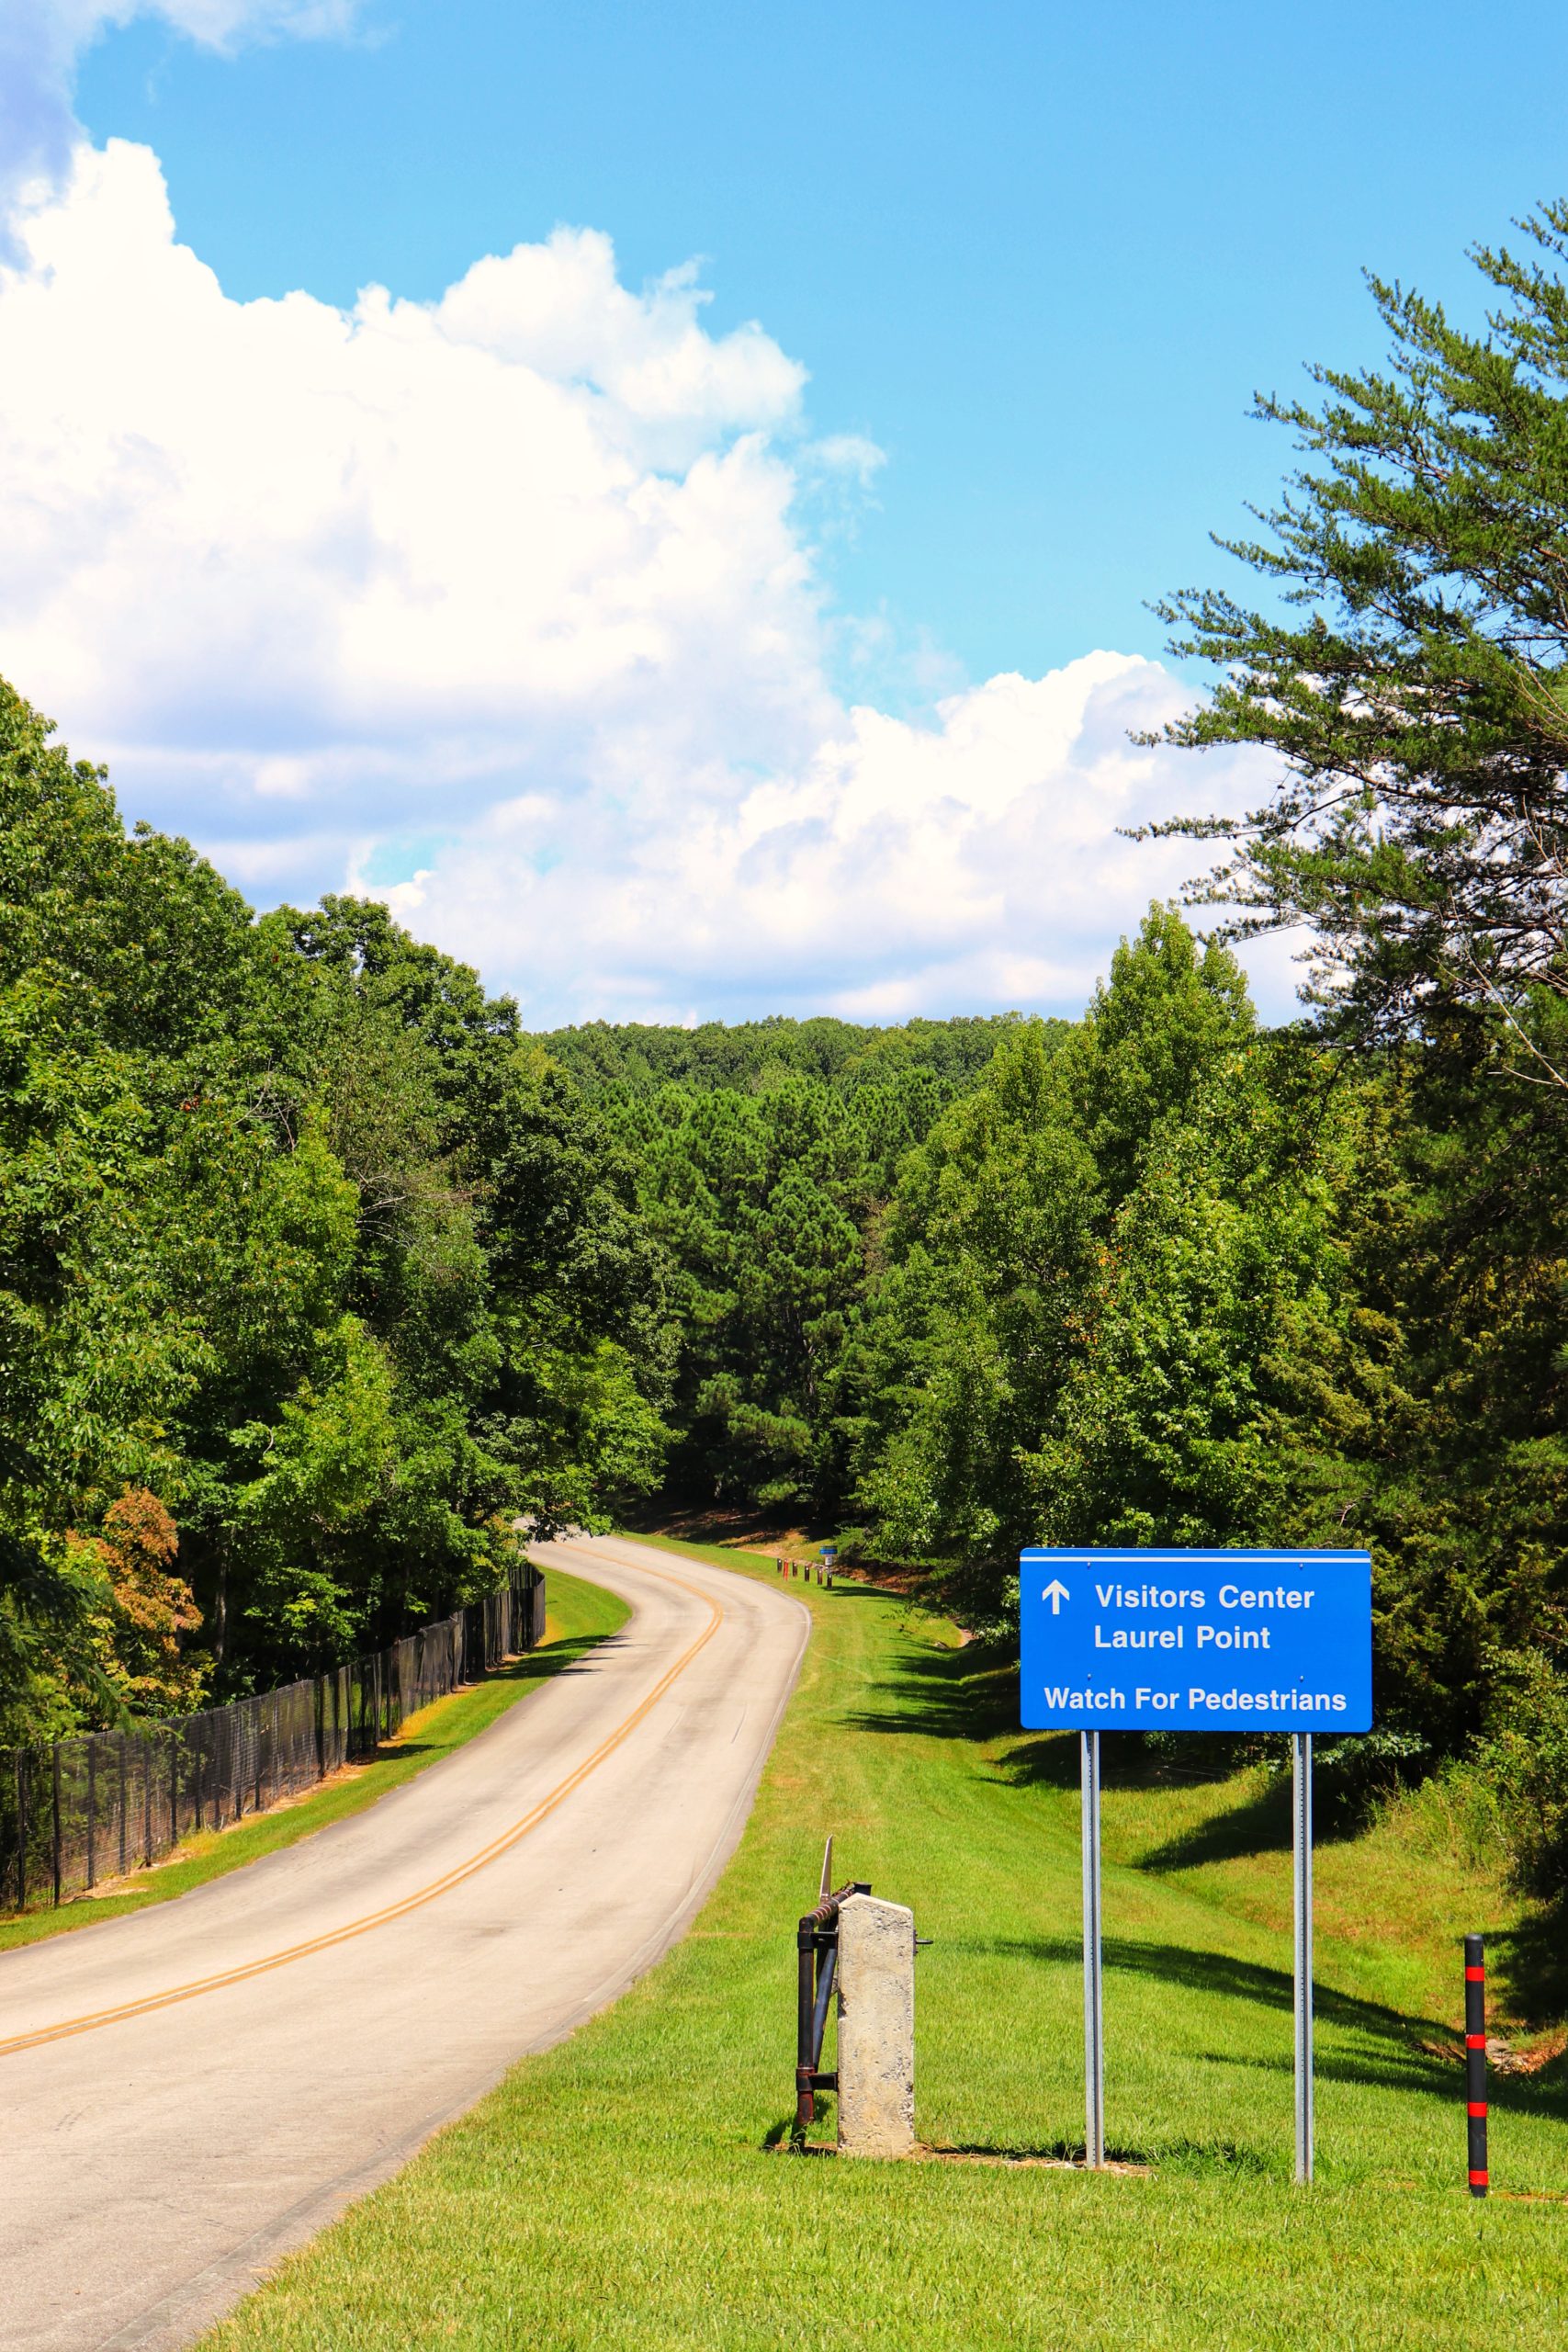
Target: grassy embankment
[(621, 2192), (579, 1615)]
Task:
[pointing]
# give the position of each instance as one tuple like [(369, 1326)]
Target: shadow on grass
[(542, 1664), (554, 1657), (1256, 1824), (1260, 1824), (1531, 1959), (1187, 2155), (970, 1693), (1200, 1972), (1390, 2068), (1396, 2062)]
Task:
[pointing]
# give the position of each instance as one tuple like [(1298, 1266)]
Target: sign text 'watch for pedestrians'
[(1196, 1641)]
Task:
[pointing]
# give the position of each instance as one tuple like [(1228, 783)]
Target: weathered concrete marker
[(876, 2028)]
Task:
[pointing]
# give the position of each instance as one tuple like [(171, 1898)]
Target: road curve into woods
[(186, 2093)]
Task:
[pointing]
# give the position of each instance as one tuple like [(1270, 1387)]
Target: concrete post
[(876, 2028)]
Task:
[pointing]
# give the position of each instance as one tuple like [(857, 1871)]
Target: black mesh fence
[(78, 1811)]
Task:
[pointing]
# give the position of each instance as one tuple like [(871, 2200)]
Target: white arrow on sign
[(1055, 1593)]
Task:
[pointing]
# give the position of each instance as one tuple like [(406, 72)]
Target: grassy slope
[(580, 1614), (616, 2192)]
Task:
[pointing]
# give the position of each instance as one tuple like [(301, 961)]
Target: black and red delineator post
[(1475, 2060)]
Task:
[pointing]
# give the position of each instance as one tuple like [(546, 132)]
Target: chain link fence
[(74, 1811)]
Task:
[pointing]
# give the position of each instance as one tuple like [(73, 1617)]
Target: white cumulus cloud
[(972, 863), (505, 606)]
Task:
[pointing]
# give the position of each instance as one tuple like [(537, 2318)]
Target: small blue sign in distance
[(1196, 1641)]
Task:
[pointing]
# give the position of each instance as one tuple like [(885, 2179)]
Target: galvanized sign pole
[(1093, 2006), (1203, 1640), (1301, 1743)]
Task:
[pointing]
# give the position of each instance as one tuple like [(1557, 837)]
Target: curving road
[(187, 2093)]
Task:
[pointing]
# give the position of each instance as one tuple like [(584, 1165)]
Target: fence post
[(208, 1747), (21, 1838)]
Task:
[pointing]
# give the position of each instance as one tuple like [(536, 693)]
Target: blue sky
[(1041, 255), (1016, 272)]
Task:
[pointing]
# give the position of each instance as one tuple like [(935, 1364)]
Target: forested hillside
[(768, 1155), (632, 1058), (1159, 1277)]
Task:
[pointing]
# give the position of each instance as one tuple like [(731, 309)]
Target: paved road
[(187, 2094)]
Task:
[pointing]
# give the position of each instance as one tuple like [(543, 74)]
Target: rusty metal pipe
[(815, 1936)]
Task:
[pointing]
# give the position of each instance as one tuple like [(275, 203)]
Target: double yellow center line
[(438, 1886)]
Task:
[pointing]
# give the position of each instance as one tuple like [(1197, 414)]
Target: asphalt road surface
[(187, 2093)]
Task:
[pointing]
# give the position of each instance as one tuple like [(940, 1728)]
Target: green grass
[(580, 1614), (722, 1555), (621, 2191)]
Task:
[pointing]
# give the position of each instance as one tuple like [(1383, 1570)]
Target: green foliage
[(1177, 1281), (308, 1249), (640, 1059), (770, 1199), (300, 1240), (1159, 1277), (1090, 1255), (1420, 704), (1522, 1759)]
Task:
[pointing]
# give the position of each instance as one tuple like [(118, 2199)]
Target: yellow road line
[(438, 1886)]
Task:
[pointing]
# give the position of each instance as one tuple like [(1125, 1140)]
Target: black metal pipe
[(1475, 2062), (21, 1835), (826, 1972), (817, 1933), (805, 1987)]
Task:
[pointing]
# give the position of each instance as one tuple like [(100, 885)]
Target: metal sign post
[(1196, 1640), (1301, 1760), (1093, 2006)]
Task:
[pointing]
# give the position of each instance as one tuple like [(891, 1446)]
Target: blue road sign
[(1196, 1641)]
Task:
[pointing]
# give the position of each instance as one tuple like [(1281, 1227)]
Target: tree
[(1420, 707), (1090, 1257), (147, 1607), (308, 1263)]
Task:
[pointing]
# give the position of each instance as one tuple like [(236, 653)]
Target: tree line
[(316, 1275)]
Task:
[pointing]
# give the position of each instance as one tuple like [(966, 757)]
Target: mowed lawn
[(578, 1615), (626, 2189)]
